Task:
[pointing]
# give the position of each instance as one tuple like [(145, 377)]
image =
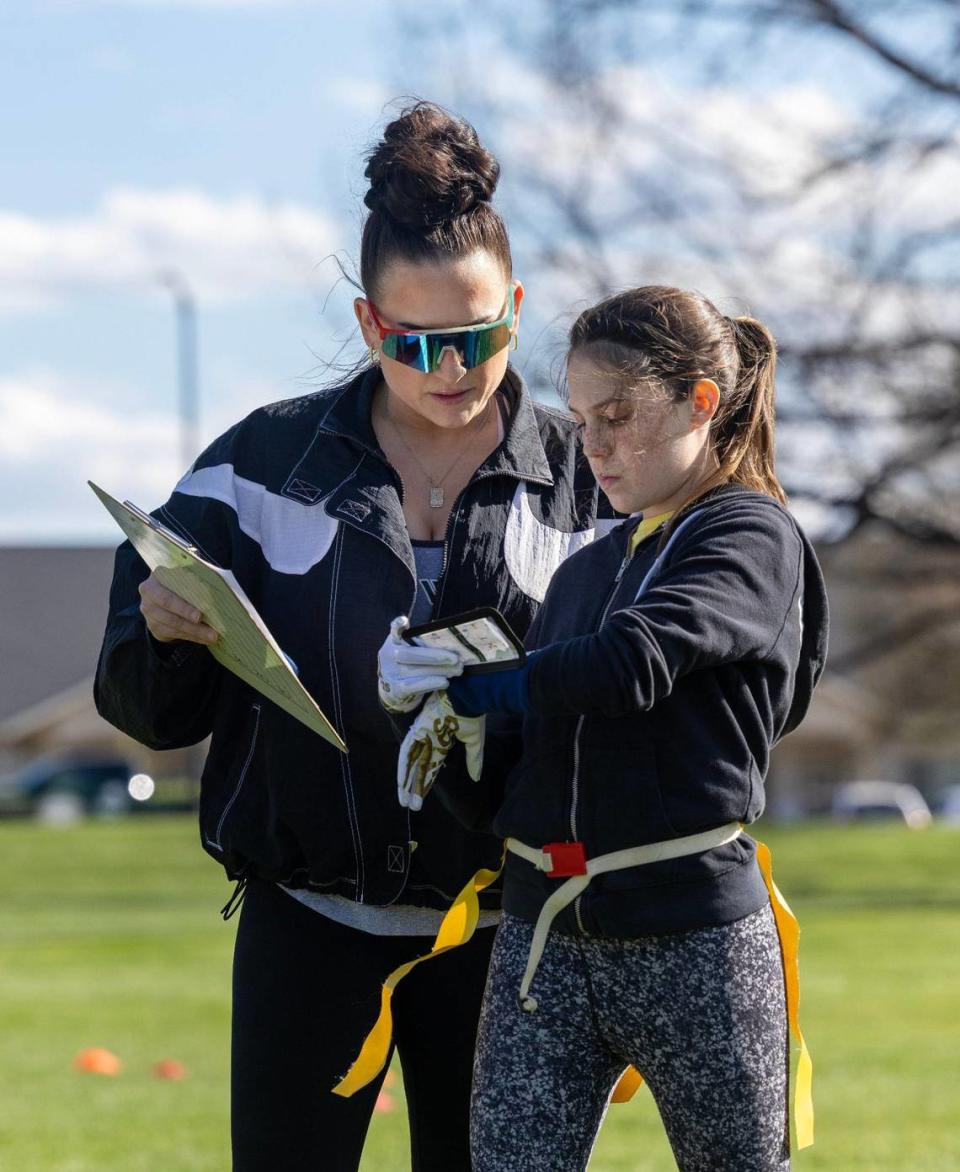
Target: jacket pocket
[(239, 776)]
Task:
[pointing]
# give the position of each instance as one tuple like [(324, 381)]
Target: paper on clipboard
[(245, 646)]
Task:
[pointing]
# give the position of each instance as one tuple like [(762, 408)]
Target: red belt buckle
[(568, 858)]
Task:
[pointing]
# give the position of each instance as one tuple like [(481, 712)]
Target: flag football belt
[(567, 860)]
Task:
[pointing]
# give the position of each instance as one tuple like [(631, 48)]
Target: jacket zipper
[(416, 584), (575, 780), (240, 780), (447, 538)]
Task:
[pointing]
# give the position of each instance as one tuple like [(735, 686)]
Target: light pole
[(189, 397), (189, 413)]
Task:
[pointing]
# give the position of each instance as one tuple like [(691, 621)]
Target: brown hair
[(431, 182), (674, 337)]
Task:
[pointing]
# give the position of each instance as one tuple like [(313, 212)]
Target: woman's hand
[(427, 743), (406, 673), (170, 617)]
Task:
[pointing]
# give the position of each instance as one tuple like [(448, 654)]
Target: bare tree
[(796, 158), (837, 220)]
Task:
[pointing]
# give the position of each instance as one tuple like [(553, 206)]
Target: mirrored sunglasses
[(423, 349)]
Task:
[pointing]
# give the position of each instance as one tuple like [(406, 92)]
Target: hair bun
[(429, 168)]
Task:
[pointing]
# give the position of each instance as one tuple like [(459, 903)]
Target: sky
[(220, 143), (220, 140)]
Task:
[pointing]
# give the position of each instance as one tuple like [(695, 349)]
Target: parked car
[(64, 788), (948, 804), (878, 800)]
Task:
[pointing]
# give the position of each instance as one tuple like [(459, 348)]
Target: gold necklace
[(436, 486)]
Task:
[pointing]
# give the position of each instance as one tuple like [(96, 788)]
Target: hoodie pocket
[(238, 777), (621, 797)]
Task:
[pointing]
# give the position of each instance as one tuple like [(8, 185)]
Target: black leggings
[(305, 992)]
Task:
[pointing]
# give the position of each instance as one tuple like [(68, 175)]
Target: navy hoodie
[(653, 717)]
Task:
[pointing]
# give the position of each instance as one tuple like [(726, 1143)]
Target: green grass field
[(110, 936)]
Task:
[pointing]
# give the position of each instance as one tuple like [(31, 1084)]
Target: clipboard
[(245, 646)]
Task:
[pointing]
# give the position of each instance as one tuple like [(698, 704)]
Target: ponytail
[(743, 429), (745, 446)]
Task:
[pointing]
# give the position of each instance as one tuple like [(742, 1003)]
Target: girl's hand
[(170, 617)]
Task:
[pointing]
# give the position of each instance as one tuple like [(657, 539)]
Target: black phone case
[(482, 612)]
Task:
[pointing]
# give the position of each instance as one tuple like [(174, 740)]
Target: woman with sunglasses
[(640, 923), (429, 484)]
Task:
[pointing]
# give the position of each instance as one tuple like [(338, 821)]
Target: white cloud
[(56, 433), (54, 437), (704, 187), (651, 124), (221, 5), (362, 95), (227, 249)]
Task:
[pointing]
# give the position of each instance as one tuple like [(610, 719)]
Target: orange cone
[(96, 1060), (384, 1103), (169, 1068)]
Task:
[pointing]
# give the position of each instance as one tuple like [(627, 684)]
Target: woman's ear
[(371, 334), (704, 401)]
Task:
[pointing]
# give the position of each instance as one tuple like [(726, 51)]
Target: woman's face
[(647, 451), (460, 292)]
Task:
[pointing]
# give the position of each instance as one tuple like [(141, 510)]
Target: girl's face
[(466, 291), (647, 451)]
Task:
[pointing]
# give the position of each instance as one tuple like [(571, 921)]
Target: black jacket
[(653, 717), (300, 503)]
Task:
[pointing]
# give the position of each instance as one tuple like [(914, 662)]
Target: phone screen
[(477, 640)]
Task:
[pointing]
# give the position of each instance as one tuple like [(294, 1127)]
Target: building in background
[(51, 626), (884, 710)]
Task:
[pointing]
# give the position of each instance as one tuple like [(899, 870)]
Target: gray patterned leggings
[(700, 1014)]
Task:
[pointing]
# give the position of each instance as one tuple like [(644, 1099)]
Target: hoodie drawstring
[(236, 899)]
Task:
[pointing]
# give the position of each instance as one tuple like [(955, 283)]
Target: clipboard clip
[(156, 526)]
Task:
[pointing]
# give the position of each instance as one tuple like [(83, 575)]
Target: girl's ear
[(517, 298), (704, 401)]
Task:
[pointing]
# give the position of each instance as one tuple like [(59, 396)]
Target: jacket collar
[(625, 530), (521, 454)]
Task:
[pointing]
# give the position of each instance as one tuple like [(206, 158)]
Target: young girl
[(666, 661)]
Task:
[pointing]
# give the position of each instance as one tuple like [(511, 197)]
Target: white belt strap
[(566, 893)]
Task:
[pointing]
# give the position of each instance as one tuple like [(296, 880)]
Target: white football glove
[(406, 673), (427, 743)]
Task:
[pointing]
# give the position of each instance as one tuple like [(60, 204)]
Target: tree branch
[(833, 15)]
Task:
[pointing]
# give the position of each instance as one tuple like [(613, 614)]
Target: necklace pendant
[(436, 496)]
